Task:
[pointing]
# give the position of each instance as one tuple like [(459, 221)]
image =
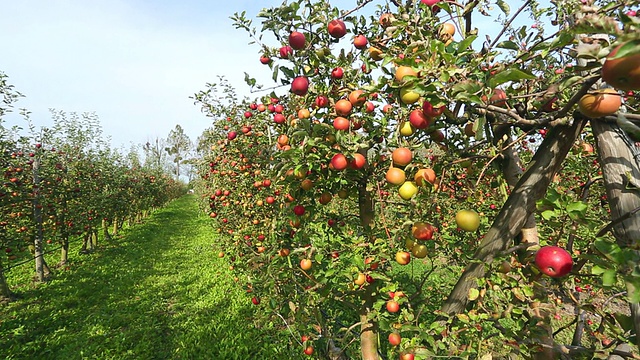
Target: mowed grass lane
[(158, 292)]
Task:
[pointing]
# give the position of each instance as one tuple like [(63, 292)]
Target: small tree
[(179, 145)]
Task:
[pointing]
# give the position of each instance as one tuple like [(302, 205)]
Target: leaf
[(610, 250), (473, 294), (577, 209), (466, 42), (548, 214), (609, 278), (627, 49), (597, 270), (504, 7), (509, 75), (508, 45)]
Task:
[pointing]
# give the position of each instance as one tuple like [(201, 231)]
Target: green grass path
[(159, 292)]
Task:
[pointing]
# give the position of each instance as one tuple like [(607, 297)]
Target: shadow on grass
[(157, 293)]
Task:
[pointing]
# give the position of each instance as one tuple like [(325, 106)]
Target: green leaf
[(548, 214), (609, 278), (508, 45), (610, 250), (577, 210), (597, 270), (627, 49), (466, 42), (509, 75), (504, 7), (473, 294)]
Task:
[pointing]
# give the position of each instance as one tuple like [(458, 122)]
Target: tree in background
[(178, 146)]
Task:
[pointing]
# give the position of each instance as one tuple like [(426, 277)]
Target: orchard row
[(411, 196)]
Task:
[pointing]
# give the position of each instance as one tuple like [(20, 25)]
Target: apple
[(553, 261), (360, 42), (360, 279), (429, 2), (403, 257), (339, 162), (300, 85), (408, 190), (299, 210), (308, 350), (232, 135), (305, 264), (422, 231), (337, 73), (407, 356), (468, 220), (297, 40), (255, 300), (430, 111), (322, 101), (418, 119), (285, 52), (393, 306), (265, 59), (358, 161), (394, 339), (337, 28)]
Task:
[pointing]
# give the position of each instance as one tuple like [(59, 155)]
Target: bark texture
[(619, 158)]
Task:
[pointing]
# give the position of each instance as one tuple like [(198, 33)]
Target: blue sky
[(133, 63)]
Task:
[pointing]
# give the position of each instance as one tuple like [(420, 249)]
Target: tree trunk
[(521, 203), (618, 156), (105, 230), (542, 333), (37, 219), (368, 327)]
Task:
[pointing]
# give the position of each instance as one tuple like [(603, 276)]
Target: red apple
[(422, 231), (339, 162), (418, 119), (337, 73), (255, 300), (297, 40), (285, 52), (300, 85), (265, 59), (337, 28), (360, 42), (554, 261), (393, 306), (298, 210), (232, 135), (322, 101), (394, 339)]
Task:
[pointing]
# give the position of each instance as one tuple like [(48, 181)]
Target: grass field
[(157, 292)]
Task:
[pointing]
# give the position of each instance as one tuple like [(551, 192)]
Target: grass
[(158, 292)]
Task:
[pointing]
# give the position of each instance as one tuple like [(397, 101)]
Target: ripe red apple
[(407, 356), (394, 339), (430, 111), (285, 52), (429, 2), (339, 162), (337, 28), (322, 101), (360, 42), (337, 73), (297, 40), (300, 85), (279, 119), (418, 119), (255, 300), (265, 59), (393, 306), (298, 210), (232, 135), (308, 350), (358, 161), (554, 261), (422, 231)]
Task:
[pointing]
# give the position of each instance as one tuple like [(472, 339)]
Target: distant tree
[(178, 146), (155, 155)]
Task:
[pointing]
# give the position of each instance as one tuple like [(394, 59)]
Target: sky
[(134, 63)]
